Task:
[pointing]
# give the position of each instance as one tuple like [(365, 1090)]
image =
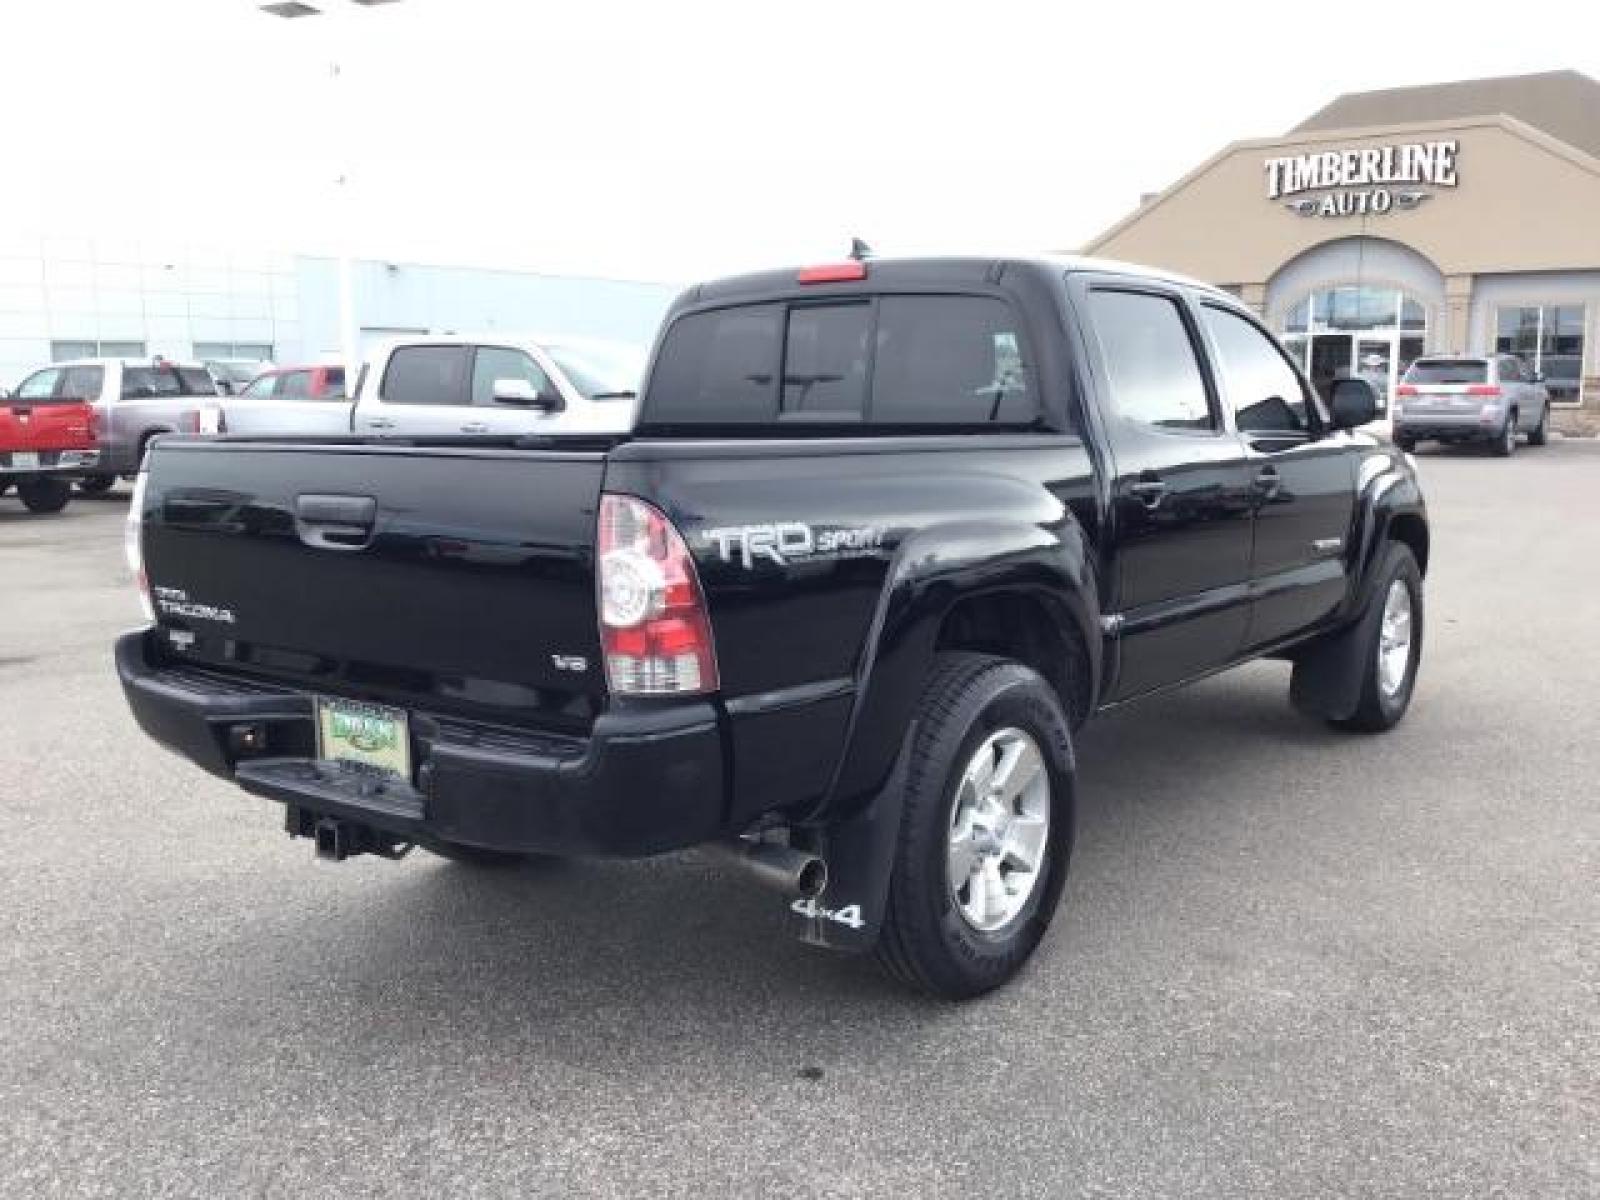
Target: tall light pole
[(349, 332)]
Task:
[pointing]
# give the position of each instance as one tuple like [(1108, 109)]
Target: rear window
[(1448, 370), (427, 375), (938, 361), (82, 383)]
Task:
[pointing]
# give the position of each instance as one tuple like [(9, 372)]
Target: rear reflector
[(1405, 389), (833, 273), (1483, 389), (654, 627)]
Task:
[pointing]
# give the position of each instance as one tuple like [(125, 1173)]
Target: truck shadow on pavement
[(545, 959)]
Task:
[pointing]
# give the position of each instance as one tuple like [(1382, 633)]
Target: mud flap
[(860, 854), (1328, 675)]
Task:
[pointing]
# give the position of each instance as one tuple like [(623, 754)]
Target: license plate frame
[(25, 460), (371, 737)]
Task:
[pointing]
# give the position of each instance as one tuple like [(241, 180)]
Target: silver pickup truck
[(453, 384), (135, 400)]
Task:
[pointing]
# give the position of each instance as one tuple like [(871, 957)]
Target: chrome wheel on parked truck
[(999, 830)]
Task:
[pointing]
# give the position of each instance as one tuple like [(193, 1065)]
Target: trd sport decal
[(791, 542)]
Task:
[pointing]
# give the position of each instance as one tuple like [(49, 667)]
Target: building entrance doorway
[(1373, 333)]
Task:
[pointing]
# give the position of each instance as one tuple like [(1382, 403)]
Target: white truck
[(463, 384)]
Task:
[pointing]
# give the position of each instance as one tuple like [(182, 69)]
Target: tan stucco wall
[(1523, 203)]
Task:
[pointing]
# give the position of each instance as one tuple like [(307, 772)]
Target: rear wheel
[(1392, 649), (1541, 432), (986, 828), (1506, 444), (44, 495), (96, 485)]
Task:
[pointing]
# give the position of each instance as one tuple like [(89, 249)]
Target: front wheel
[(44, 495), (1392, 648), (986, 828)]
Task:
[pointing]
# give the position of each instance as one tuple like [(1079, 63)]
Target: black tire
[(96, 485), (1505, 443), (5, 486), (478, 856), (1380, 708), (1541, 432), (44, 495), (926, 941)]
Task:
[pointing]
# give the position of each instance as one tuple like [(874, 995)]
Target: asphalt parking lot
[(1290, 962)]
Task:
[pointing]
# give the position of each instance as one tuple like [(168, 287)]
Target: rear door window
[(294, 385), (825, 362), (1150, 360), (1448, 370), (427, 375), (949, 360), (144, 383), (197, 381)]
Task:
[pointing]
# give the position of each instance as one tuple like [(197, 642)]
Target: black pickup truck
[(885, 534)]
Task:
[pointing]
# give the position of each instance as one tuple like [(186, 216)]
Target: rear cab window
[(427, 375), (935, 361), (1448, 371)]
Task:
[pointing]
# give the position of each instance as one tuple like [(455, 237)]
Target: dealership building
[(1451, 218), (68, 297)]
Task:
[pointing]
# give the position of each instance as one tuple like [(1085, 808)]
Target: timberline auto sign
[(1366, 177)]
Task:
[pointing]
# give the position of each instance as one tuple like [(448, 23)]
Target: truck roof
[(941, 270)]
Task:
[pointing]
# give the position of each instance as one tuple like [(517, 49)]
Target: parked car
[(457, 384), (290, 400), (136, 399), (1458, 398), (49, 436), (232, 375), (885, 535)]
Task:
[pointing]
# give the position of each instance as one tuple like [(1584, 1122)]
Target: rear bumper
[(641, 783), (1463, 427), (51, 462)]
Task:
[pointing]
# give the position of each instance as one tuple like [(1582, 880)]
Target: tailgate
[(43, 425), (444, 579)]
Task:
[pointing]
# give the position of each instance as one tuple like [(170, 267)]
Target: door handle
[(1268, 481), (380, 423), (335, 522), (1150, 492), (475, 427)]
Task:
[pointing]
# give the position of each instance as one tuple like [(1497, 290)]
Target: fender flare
[(856, 827)]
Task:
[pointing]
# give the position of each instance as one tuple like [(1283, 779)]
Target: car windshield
[(599, 370), (1448, 370)]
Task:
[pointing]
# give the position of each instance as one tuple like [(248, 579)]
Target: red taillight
[(833, 273), (1406, 389), (1483, 389), (654, 628)]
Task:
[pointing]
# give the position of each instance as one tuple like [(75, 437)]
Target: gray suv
[(1461, 398)]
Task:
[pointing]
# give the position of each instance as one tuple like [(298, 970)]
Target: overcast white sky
[(676, 140)]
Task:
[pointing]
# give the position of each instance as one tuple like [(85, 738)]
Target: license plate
[(24, 460), (368, 735)]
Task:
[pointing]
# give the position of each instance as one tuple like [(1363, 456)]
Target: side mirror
[(523, 394), (1353, 403)]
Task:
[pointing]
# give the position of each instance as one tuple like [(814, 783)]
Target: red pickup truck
[(49, 435)]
